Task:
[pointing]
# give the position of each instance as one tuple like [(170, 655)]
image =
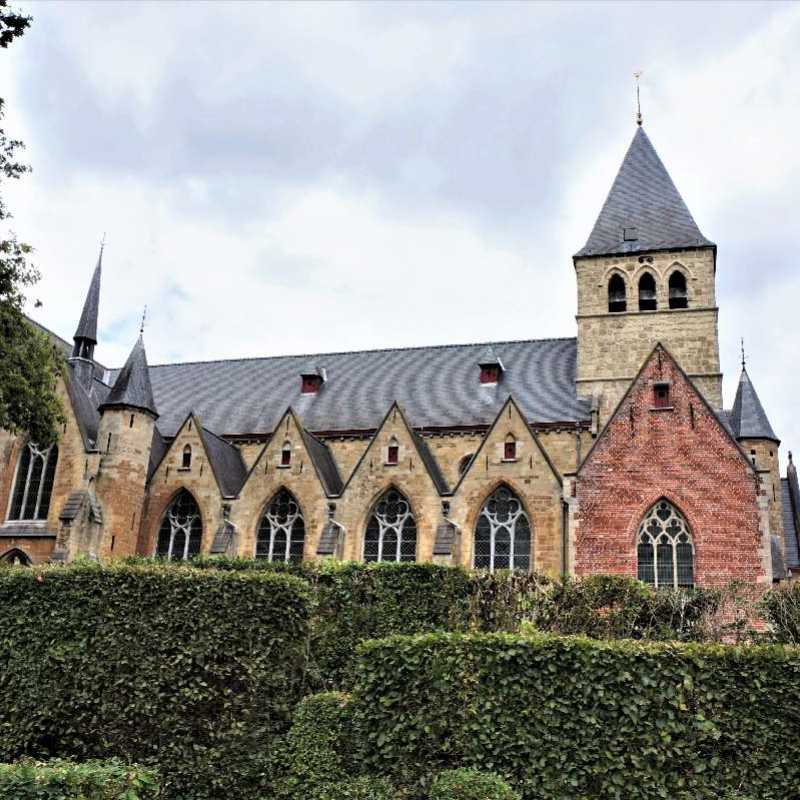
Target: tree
[(29, 364)]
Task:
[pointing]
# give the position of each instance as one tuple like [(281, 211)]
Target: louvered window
[(665, 552), (33, 485), (502, 534), (391, 533), (181, 531), (282, 532)]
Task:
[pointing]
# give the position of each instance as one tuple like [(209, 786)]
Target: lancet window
[(391, 533), (502, 533), (181, 530), (282, 531)]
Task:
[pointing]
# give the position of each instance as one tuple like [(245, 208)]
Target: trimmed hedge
[(65, 780), (470, 784), (193, 671), (579, 718)]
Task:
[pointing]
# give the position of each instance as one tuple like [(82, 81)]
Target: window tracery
[(181, 530), (502, 533), (282, 531), (33, 484), (391, 533), (665, 553)]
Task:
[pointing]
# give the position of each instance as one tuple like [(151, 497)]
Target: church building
[(607, 452)]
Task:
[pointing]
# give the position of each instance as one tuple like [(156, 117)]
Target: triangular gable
[(654, 353), (318, 453), (510, 403), (419, 444)]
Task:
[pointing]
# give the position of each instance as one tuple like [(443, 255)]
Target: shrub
[(64, 780), (579, 718), (470, 784), (315, 753), (781, 607), (193, 671), (363, 788)]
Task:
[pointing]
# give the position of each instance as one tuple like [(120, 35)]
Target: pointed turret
[(644, 210), (748, 418), (85, 337), (132, 387)]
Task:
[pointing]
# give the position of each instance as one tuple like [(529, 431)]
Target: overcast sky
[(289, 178)]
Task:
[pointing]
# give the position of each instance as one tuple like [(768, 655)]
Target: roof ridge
[(359, 352)]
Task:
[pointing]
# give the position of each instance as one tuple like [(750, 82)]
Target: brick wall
[(681, 453)]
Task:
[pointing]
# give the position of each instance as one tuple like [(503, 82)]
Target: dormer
[(311, 379), (491, 367)]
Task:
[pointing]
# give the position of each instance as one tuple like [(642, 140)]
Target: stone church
[(608, 452)]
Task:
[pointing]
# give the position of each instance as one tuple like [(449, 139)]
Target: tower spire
[(637, 75)]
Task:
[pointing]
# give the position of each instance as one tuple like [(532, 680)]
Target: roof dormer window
[(491, 367), (312, 378)]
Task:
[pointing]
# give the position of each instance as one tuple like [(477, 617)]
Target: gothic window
[(502, 533), (186, 461), (33, 486), (282, 531), (665, 553), (678, 295), (16, 558), (647, 293), (617, 296), (391, 533), (392, 452), (286, 454), (510, 448), (181, 529)]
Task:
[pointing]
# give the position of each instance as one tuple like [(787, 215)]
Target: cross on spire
[(144, 317), (637, 75), (744, 360)]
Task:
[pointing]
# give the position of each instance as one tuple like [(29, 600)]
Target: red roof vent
[(491, 366), (312, 378)]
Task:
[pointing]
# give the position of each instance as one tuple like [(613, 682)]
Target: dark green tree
[(29, 364)]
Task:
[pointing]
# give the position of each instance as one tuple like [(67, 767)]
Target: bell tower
[(645, 275)]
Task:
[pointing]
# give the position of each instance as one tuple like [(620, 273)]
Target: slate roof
[(75, 502), (643, 197), (778, 563), (328, 539), (747, 417), (324, 463), (445, 536), (132, 387), (790, 495), (87, 325), (431, 464), (436, 386), (226, 462)]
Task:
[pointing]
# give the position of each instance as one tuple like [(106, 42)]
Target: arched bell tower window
[(181, 529), (33, 485), (391, 533), (647, 293), (186, 460), (665, 552), (617, 294), (678, 295), (502, 533), (282, 531)]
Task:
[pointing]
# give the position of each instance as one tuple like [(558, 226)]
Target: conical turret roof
[(87, 326), (132, 387), (748, 418), (643, 210)]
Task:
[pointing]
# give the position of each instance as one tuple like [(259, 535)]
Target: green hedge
[(193, 671), (577, 718), (470, 784), (65, 780)]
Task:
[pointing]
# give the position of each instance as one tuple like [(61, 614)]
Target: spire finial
[(637, 75), (144, 317), (102, 243), (744, 360)]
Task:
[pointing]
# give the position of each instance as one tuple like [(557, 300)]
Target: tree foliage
[(29, 364)]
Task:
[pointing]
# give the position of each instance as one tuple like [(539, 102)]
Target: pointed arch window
[(286, 454), (282, 531), (181, 530), (33, 485), (16, 558), (186, 458), (678, 294), (391, 533), (665, 552), (617, 294), (502, 533), (647, 293)]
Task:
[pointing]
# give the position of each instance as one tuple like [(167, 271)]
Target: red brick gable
[(677, 450)]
